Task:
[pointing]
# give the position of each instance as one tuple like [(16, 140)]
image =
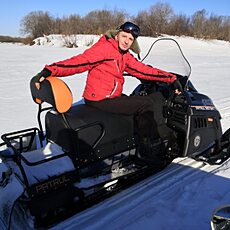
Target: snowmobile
[(79, 156)]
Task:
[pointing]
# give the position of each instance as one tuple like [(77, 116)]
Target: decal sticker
[(196, 141), (203, 107)]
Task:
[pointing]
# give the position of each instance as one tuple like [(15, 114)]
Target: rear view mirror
[(220, 219)]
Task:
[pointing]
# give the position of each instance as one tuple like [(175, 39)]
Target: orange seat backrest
[(53, 91)]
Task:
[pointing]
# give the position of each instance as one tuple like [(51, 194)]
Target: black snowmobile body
[(92, 154)]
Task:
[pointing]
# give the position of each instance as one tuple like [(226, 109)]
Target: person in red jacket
[(106, 61)]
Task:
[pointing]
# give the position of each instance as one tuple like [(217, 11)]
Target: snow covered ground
[(184, 195)]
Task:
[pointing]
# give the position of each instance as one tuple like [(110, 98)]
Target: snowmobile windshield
[(166, 54)]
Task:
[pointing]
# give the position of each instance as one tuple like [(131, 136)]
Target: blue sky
[(12, 11)]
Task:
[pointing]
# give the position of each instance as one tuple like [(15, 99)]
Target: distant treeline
[(158, 19), (10, 39)]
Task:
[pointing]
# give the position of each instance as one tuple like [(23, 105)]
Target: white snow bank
[(76, 40)]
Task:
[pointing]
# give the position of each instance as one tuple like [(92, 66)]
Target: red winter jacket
[(106, 64)]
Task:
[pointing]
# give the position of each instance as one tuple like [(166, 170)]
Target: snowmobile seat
[(90, 130), (90, 133)]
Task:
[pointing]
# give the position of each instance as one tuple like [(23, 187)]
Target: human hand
[(177, 86), (40, 77)]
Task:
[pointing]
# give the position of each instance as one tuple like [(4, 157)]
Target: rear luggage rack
[(16, 140), (24, 141)]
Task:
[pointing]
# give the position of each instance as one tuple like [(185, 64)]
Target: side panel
[(204, 129), (196, 121)]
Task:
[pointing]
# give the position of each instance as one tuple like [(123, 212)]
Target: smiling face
[(125, 40)]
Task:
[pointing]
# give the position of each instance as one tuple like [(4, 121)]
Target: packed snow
[(184, 195)]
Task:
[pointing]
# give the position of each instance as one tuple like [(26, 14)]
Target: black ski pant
[(140, 107)]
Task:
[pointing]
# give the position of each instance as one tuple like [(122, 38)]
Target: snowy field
[(181, 197)]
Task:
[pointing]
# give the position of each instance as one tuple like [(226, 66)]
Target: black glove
[(44, 73), (177, 85)]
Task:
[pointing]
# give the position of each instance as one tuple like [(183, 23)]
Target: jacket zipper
[(114, 89), (118, 69), (115, 82)]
